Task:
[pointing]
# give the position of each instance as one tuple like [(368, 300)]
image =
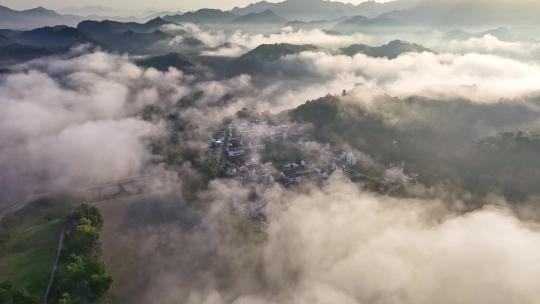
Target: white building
[(232, 152), (351, 159)]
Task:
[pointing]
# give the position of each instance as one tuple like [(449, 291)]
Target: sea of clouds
[(74, 120)]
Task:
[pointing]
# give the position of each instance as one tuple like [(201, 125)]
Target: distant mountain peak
[(158, 21), (205, 15), (357, 18), (307, 10), (41, 11), (33, 18), (264, 17), (470, 13)]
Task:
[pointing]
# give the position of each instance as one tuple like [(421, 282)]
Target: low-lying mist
[(72, 122), (328, 244)]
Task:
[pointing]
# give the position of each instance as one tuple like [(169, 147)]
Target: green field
[(28, 244)]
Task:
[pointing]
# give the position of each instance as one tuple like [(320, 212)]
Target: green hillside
[(28, 244)]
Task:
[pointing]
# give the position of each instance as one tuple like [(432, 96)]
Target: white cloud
[(69, 122), (337, 244), (362, 248), (238, 42), (481, 78), (486, 44)]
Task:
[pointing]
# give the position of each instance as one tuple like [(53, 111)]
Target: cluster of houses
[(237, 148)]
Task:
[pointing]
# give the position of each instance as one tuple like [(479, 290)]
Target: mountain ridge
[(390, 50), (308, 10), (265, 17), (33, 18), (470, 13), (205, 15)]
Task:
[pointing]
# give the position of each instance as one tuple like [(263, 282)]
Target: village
[(256, 152)]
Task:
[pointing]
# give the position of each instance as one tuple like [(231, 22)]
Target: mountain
[(131, 37), (93, 10), (108, 27), (98, 12), (155, 24), (356, 20), (176, 60), (307, 10), (373, 9), (458, 35), (33, 18), (315, 24), (303, 10), (390, 50), (211, 16), (502, 33), (57, 36), (357, 23), (20, 52), (262, 60), (9, 33), (135, 42), (470, 13), (264, 17), (4, 40), (270, 52), (155, 14), (12, 53), (40, 12)]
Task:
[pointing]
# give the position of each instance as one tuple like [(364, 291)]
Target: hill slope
[(470, 12), (360, 22), (263, 60), (269, 52), (107, 27), (4, 40), (206, 15), (176, 60), (307, 10), (32, 18), (29, 240), (265, 17), (390, 50), (57, 36)]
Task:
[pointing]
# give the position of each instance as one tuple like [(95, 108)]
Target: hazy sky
[(138, 4)]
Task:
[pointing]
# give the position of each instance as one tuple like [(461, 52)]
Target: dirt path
[(51, 278)]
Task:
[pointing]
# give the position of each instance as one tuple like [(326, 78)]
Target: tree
[(11, 295), (244, 113), (211, 168), (5, 291), (100, 285), (66, 299), (83, 239), (174, 157), (21, 296), (86, 211), (81, 276), (71, 275)]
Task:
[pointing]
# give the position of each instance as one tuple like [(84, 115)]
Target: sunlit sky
[(134, 5)]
